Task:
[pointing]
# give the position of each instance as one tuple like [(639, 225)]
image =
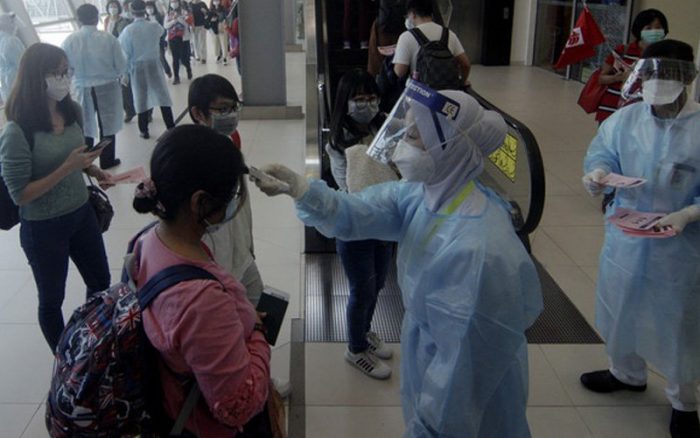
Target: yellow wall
[(683, 18)]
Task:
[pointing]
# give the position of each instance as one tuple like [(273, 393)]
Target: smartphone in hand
[(274, 303), (102, 144)]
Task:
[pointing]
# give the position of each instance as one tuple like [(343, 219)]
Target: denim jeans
[(366, 263), (48, 244)]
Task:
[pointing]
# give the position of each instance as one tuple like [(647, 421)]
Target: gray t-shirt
[(21, 164)]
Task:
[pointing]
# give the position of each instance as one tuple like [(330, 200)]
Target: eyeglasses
[(66, 73), (364, 101), (226, 110)]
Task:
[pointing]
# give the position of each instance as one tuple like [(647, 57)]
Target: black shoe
[(684, 424), (176, 81), (604, 382), (145, 135), (189, 73), (114, 163), (129, 117)]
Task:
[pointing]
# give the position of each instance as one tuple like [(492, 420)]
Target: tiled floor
[(339, 401)]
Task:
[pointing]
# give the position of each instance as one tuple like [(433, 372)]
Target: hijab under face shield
[(658, 81)]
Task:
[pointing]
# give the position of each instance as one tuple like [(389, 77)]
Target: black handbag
[(9, 212), (100, 203)]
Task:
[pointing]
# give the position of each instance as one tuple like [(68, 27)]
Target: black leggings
[(181, 54)]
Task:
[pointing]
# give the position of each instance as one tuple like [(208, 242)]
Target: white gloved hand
[(298, 185), (679, 219), (591, 181), (124, 80)]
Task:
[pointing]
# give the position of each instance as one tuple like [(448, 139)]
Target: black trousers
[(108, 153), (180, 50), (165, 111), (128, 101)]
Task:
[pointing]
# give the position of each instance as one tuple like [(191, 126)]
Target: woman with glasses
[(205, 330), (355, 120), (43, 158)]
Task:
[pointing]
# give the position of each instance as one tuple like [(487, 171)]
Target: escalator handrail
[(534, 159)]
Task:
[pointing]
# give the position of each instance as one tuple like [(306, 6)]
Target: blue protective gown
[(141, 44), (98, 61), (469, 289), (11, 51), (648, 296)]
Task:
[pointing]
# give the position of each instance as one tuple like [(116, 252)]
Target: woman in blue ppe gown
[(469, 288), (11, 50), (648, 292)]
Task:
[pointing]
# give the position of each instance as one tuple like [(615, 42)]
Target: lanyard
[(449, 209)]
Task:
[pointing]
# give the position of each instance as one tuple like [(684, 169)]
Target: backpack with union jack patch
[(105, 371)]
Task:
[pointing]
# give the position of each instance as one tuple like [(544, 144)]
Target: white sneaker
[(377, 347), (368, 364)]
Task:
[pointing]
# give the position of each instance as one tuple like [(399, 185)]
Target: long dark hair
[(156, 13), (354, 82), (187, 159), (27, 105)]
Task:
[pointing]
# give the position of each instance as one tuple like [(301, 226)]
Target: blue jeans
[(366, 263), (48, 244)]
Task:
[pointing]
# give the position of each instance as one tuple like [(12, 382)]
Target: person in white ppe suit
[(141, 43), (98, 64), (648, 293), (11, 50), (469, 288)]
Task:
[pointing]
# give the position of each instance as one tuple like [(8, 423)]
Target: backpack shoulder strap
[(169, 277), (445, 38), (419, 36)]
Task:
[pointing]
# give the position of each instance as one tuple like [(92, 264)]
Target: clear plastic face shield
[(658, 81), (418, 108)]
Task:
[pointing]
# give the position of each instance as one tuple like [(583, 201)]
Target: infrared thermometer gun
[(265, 178)]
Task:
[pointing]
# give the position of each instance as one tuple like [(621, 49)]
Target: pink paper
[(663, 233), (133, 176), (622, 181), (635, 220)]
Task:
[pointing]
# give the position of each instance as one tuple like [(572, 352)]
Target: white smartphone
[(264, 177)]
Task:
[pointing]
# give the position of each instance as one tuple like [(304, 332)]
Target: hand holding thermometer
[(264, 178)]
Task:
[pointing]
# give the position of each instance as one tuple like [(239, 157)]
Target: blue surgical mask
[(230, 211), (651, 36)]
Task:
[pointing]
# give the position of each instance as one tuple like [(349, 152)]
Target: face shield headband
[(421, 100), (657, 69)]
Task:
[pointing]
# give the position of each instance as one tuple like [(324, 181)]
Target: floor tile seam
[(543, 229), (26, 426), (345, 405), (583, 420), (556, 374)]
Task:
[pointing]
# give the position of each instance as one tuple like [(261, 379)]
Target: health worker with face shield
[(469, 287), (648, 292), (11, 50)]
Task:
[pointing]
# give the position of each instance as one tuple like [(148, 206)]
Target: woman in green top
[(42, 158)]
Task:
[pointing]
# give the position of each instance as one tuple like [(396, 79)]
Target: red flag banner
[(582, 41)]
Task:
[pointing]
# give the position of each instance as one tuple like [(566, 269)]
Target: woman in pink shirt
[(205, 330)]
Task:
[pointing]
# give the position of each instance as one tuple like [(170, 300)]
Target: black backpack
[(391, 15), (9, 212), (435, 64)]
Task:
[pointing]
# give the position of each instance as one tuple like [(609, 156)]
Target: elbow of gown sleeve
[(249, 399)]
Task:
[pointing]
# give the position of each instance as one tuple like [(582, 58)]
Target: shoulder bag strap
[(419, 36)]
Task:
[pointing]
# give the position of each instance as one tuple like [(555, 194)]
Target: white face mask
[(57, 88), (150, 11), (174, 5), (409, 23), (225, 124), (414, 164), (113, 11), (365, 114), (230, 212), (661, 91)]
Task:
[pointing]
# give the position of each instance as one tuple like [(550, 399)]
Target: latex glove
[(679, 219), (124, 80), (591, 181), (298, 185)]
